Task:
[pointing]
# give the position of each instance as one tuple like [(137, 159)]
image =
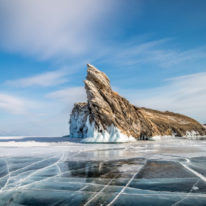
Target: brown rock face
[(106, 107)]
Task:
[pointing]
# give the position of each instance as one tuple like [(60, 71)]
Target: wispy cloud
[(154, 52), (15, 105), (42, 80), (172, 57), (185, 94), (65, 99), (69, 95), (51, 27)]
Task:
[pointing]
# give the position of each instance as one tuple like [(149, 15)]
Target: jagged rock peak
[(109, 117), (97, 77)]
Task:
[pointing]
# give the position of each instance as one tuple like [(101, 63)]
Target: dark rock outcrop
[(106, 108)]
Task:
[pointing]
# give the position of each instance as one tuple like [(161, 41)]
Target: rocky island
[(108, 117)]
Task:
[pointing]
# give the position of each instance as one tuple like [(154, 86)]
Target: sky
[(153, 51)]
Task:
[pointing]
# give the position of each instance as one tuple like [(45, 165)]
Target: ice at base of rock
[(112, 134)]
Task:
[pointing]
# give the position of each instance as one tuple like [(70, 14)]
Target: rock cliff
[(109, 117)]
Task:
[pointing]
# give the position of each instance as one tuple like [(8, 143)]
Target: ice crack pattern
[(170, 172)]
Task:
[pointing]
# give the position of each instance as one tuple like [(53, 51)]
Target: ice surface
[(53, 171)]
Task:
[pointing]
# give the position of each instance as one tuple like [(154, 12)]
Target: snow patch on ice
[(158, 138), (23, 144), (194, 135), (195, 188), (27, 141)]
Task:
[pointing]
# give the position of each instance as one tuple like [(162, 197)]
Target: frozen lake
[(53, 171)]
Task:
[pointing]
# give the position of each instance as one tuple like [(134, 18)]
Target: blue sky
[(153, 51)]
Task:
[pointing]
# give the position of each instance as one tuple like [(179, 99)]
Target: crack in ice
[(21, 180), (194, 172), (123, 189), (92, 198), (18, 186), (27, 166), (188, 194), (8, 179)]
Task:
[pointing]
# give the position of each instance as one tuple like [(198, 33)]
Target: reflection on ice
[(170, 172)]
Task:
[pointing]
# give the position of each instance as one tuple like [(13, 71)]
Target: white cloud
[(13, 104), (156, 52), (43, 80), (36, 118), (51, 27), (184, 94), (48, 117), (64, 100), (69, 95), (173, 57)]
